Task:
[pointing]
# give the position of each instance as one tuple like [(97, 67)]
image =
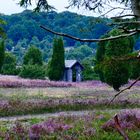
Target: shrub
[(9, 66), (2, 53), (33, 56), (88, 72), (33, 72)]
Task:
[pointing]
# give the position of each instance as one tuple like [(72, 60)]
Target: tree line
[(23, 30)]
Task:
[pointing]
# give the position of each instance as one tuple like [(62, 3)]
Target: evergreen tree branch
[(89, 40)]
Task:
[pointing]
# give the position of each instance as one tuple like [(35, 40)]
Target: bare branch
[(119, 128), (127, 22), (128, 15), (127, 88), (129, 57), (89, 40), (112, 9)]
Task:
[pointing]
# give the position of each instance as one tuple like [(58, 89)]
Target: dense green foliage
[(111, 70), (33, 72), (135, 69), (33, 56), (2, 53), (79, 53), (23, 30), (116, 73), (33, 64), (9, 65), (57, 64), (88, 72), (2, 32)]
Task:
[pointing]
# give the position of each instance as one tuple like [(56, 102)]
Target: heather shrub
[(128, 119), (33, 72)]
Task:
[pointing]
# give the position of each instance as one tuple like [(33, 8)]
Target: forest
[(23, 30)]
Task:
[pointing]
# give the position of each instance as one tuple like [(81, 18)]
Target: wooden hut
[(73, 71)]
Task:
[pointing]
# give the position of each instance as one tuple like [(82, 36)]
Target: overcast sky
[(11, 7)]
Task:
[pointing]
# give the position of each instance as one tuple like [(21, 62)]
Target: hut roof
[(71, 63)]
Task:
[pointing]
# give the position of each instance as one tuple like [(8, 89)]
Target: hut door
[(74, 74)]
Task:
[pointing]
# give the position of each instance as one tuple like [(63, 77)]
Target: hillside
[(23, 30)]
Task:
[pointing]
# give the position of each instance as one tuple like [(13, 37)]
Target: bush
[(33, 72), (2, 53), (88, 73), (33, 56), (9, 66)]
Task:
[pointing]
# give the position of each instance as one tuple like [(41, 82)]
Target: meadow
[(66, 111)]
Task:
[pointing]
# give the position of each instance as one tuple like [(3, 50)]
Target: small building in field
[(73, 71)]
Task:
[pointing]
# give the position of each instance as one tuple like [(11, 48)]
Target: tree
[(79, 53), (56, 66), (135, 64), (2, 53), (41, 4), (110, 69), (88, 72), (33, 56), (33, 64), (2, 32), (9, 65)]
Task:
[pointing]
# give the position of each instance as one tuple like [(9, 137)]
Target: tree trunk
[(136, 8)]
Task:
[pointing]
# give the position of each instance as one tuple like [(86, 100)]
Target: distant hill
[(23, 30)]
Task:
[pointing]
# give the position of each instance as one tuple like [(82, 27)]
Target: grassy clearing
[(22, 101), (55, 92)]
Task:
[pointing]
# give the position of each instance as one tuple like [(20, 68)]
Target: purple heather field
[(15, 81), (22, 97)]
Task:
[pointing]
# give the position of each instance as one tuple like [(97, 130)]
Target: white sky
[(10, 7)]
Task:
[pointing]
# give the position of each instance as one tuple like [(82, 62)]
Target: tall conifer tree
[(110, 69), (56, 66)]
